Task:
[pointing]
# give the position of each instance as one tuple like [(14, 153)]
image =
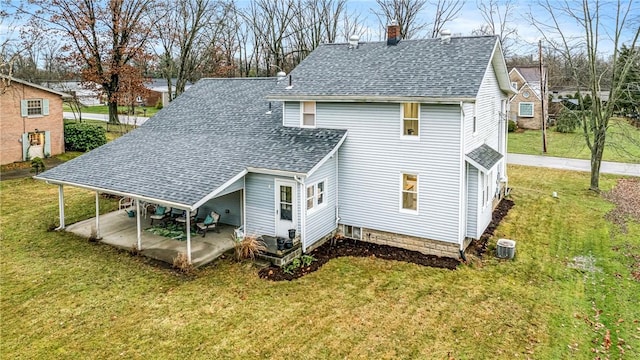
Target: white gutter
[(367, 98), (119, 193), (462, 203), (274, 172)]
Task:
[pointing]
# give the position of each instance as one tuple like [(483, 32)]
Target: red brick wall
[(13, 125)]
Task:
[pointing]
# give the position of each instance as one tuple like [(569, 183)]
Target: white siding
[(322, 221), (373, 157), (291, 113), (260, 204), (472, 202)]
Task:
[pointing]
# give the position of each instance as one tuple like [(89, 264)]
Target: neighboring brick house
[(526, 106), (31, 122)]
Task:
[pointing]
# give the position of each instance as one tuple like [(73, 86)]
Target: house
[(31, 122), (398, 142), (528, 106), (83, 92), (159, 92)]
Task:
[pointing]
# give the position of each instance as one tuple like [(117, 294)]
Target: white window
[(34, 107), (475, 120), (525, 109), (410, 119), (352, 232), (514, 85), (315, 195), (485, 185), (308, 114), (409, 192)]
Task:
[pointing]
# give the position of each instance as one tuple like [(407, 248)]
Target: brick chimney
[(393, 33)]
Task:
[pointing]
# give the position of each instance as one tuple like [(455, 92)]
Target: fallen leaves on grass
[(626, 196)]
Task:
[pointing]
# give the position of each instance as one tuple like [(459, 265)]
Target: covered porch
[(120, 230)]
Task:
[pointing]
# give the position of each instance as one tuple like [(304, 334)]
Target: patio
[(118, 229)]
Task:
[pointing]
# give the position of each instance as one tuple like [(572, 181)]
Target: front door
[(286, 209), (36, 145)]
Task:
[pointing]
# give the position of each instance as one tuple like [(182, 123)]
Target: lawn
[(622, 143), (103, 109), (64, 297)]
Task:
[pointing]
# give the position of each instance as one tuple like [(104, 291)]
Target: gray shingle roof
[(208, 135), (417, 68), (485, 156)]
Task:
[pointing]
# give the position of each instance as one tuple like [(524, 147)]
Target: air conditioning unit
[(506, 249)]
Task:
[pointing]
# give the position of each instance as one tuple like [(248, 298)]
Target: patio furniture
[(125, 203), (182, 219), (160, 214), (210, 222)]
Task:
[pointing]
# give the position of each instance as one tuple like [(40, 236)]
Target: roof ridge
[(242, 78), (413, 40)]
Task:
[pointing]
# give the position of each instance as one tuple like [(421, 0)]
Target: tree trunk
[(596, 157), (113, 112)]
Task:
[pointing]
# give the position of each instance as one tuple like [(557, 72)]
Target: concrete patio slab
[(120, 230)]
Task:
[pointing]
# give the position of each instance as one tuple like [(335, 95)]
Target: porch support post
[(138, 225), (61, 206), (188, 230), (97, 215)]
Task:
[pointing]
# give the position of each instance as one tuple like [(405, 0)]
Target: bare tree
[(498, 17), (445, 12), (102, 38), (594, 117), (405, 12)]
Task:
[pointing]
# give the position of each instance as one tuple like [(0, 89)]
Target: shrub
[(249, 247), (512, 126), (567, 121), (181, 263), (83, 137), (37, 165), (159, 104)]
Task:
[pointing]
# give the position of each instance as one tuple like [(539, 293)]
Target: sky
[(470, 18)]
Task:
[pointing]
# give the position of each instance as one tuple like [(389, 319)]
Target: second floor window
[(410, 119), (34, 107), (309, 113), (525, 109)]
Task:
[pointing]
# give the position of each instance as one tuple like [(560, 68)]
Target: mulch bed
[(480, 245), (348, 247)]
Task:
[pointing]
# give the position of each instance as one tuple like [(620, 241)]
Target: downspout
[(337, 189), (302, 196), (462, 208)]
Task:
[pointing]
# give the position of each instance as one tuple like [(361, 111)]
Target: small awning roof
[(484, 158)]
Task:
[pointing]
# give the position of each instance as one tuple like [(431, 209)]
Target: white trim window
[(316, 195), (308, 114), (485, 184), (409, 192), (410, 114), (475, 119), (525, 109), (34, 107)]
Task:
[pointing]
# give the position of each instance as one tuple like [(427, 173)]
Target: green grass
[(622, 143), (63, 297), (103, 109)]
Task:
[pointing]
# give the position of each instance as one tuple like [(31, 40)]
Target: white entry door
[(286, 209)]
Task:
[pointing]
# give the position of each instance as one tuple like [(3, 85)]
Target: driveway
[(607, 167), (124, 119)]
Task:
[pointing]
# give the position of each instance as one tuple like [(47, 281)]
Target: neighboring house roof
[(12, 79), (484, 157), (161, 85), (204, 140), (423, 69), (531, 76)]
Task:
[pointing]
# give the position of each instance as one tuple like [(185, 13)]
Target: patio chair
[(182, 219), (160, 214), (211, 222), (125, 203)]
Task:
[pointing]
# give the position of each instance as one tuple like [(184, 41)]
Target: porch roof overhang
[(484, 158)]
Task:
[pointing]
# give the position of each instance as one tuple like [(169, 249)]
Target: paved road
[(607, 167), (125, 119)]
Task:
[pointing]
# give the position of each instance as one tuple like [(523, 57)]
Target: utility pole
[(543, 94)]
